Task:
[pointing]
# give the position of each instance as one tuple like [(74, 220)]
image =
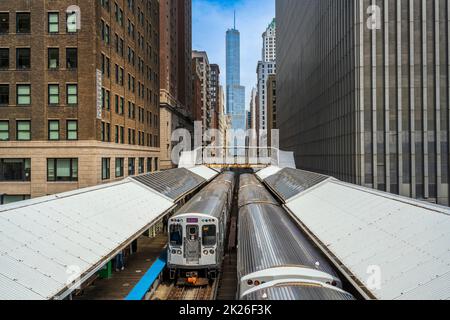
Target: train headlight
[(174, 252), (179, 252), (257, 283), (212, 251), (250, 282), (205, 252)]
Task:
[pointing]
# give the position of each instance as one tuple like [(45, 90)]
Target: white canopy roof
[(388, 246), (203, 171), (403, 243)]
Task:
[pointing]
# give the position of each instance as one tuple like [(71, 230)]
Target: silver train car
[(197, 233), (275, 260)]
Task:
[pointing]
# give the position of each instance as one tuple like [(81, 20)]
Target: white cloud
[(211, 19)]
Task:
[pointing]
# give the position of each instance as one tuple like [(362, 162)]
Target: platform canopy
[(390, 247), (49, 244)]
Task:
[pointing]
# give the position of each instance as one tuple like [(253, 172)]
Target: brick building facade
[(79, 94)]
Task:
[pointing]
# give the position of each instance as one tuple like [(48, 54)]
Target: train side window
[(209, 235), (176, 235)]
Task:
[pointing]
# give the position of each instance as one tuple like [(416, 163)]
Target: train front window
[(176, 235), (209, 235)]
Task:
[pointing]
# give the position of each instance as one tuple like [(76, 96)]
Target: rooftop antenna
[(234, 19)]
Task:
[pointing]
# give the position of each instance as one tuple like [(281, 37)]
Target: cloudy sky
[(212, 18)]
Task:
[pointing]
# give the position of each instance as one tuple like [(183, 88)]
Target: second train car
[(275, 260), (197, 233)]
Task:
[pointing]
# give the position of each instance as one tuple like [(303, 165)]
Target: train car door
[(193, 249)]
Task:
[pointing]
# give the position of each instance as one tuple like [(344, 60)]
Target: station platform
[(122, 282)]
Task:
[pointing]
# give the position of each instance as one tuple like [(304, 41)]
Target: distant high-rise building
[(365, 98), (214, 90), (77, 108), (175, 72), (197, 103), (223, 117), (235, 92), (202, 61), (253, 108), (266, 67), (269, 50), (271, 106)]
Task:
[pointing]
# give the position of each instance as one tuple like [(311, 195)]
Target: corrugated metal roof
[(44, 241), (407, 240), (174, 183), (288, 182)]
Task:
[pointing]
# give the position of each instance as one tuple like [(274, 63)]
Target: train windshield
[(209, 235), (176, 235)]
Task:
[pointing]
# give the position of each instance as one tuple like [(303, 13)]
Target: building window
[(72, 94), (4, 94), (23, 130), (108, 67), (121, 105), (15, 169), (141, 166), (105, 4), (72, 58), (72, 23), (105, 32), (53, 58), (23, 58), (23, 23), (149, 164), (53, 22), (106, 99), (121, 72), (23, 94), (122, 135), (62, 170), (53, 130), (116, 134), (4, 22), (116, 103), (106, 168), (119, 167), (102, 131), (156, 164), (72, 130), (131, 166), (4, 58), (7, 199), (108, 133), (4, 130), (53, 94)]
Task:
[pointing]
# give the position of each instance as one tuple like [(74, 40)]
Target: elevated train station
[(381, 246)]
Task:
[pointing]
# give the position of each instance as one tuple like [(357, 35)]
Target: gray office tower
[(363, 91), (235, 92)]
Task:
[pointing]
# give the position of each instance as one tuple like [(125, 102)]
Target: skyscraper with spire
[(235, 92)]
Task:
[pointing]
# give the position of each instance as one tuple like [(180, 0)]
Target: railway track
[(173, 292), (205, 293)]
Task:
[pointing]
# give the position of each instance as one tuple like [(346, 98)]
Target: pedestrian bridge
[(237, 157)]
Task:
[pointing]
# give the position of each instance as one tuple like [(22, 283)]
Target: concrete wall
[(367, 105)]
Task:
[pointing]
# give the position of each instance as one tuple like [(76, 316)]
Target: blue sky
[(212, 18)]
